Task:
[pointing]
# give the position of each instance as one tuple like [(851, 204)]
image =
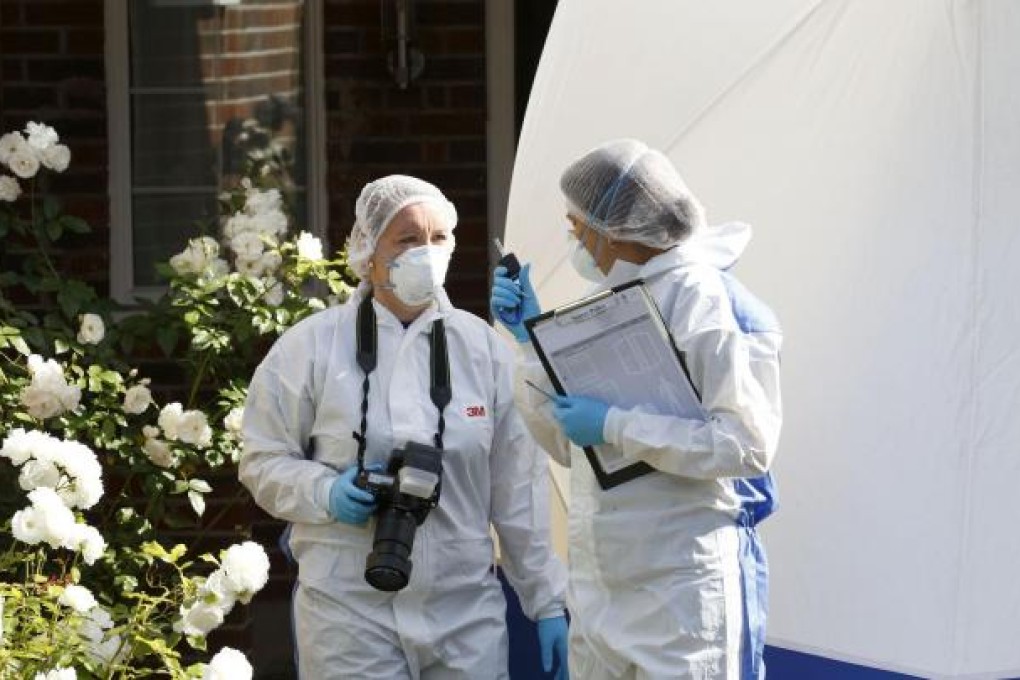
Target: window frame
[(118, 104)]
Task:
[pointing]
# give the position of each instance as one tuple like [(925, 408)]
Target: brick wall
[(434, 129), (52, 70)]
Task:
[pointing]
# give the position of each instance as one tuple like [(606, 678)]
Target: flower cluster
[(24, 156), (49, 394), (243, 572), (67, 467)]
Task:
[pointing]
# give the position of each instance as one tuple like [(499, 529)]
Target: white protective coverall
[(655, 584), (449, 621)]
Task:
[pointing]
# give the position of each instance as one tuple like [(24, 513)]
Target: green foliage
[(218, 316)]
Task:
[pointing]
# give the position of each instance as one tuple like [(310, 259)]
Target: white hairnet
[(377, 205), (629, 192)]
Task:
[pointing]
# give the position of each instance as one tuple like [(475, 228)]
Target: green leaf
[(197, 502), (199, 485), (54, 229), (20, 345), (60, 346), (166, 336), (51, 207), (75, 224)]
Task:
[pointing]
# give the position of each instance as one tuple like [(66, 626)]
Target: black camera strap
[(440, 390)]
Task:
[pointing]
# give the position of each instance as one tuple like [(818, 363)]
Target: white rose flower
[(237, 224), (58, 673), (137, 399), (194, 429), (257, 201), (93, 630), (246, 569), (232, 421), (228, 664), (248, 245), (195, 258), (55, 518), (271, 224), (78, 598), (89, 542), (23, 163), (309, 247), (10, 144), (40, 402), (250, 268), (92, 329), (199, 619), (83, 486), (41, 136), (216, 268), (274, 292), (39, 473), (9, 189), (217, 590), (56, 157), (270, 260), (19, 444), (159, 453), (150, 432), (27, 527), (170, 419)]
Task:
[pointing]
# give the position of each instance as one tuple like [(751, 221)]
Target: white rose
[(194, 429), (77, 598), (228, 664), (246, 569), (39, 473), (58, 673), (23, 163), (150, 432), (41, 136), (217, 590), (170, 419), (195, 258), (274, 292), (216, 268), (55, 518), (92, 329), (137, 399), (199, 619), (9, 189), (271, 224), (257, 201), (27, 527), (56, 157), (89, 542), (270, 260), (250, 268), (11, 143), (69, 397), (232, 421), (18, 445), (236, 224), (40, 402), (158, 452), (248, 245), (309, 247)]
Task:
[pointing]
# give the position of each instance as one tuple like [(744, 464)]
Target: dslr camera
[(406, 491)]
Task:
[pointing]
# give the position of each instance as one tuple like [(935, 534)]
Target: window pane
[(163, 224), (216, 92)]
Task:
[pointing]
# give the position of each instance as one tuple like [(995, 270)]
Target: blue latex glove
[(582, 419), (514, 301), (552, 641), (348, 503)]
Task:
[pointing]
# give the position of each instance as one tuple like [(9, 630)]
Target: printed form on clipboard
[(614, 346)]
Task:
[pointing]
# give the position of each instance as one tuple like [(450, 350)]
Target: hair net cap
[(630, 192), (377, 205)]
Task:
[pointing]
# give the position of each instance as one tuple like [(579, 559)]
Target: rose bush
[(96, 460)]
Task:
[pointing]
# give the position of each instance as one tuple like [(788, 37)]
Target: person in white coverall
[(667, 574), (302, 422)]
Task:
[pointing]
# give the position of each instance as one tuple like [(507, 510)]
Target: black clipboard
[(607, 479)]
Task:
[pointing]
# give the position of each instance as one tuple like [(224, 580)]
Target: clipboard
[(615, 346)]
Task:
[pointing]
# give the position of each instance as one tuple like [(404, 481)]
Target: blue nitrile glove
[(582, 419), (552, 641), (513, 301), (348, 503)]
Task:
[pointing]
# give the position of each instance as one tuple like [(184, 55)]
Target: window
[(197, 88)]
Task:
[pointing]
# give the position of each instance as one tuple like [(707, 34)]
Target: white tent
[(875, 147)]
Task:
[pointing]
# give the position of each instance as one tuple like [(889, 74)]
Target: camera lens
[(388, 566)]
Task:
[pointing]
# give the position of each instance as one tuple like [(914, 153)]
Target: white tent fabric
[(875, 147)]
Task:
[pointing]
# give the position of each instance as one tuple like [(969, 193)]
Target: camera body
[(406, 492)]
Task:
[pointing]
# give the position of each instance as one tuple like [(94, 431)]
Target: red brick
[(467, 96), (445, 13), (363, 13), (51, 70), (29, 97), (85, 41), (447, 124), (454, 68)]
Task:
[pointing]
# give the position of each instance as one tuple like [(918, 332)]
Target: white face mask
[(417, 273), (584, 262)]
